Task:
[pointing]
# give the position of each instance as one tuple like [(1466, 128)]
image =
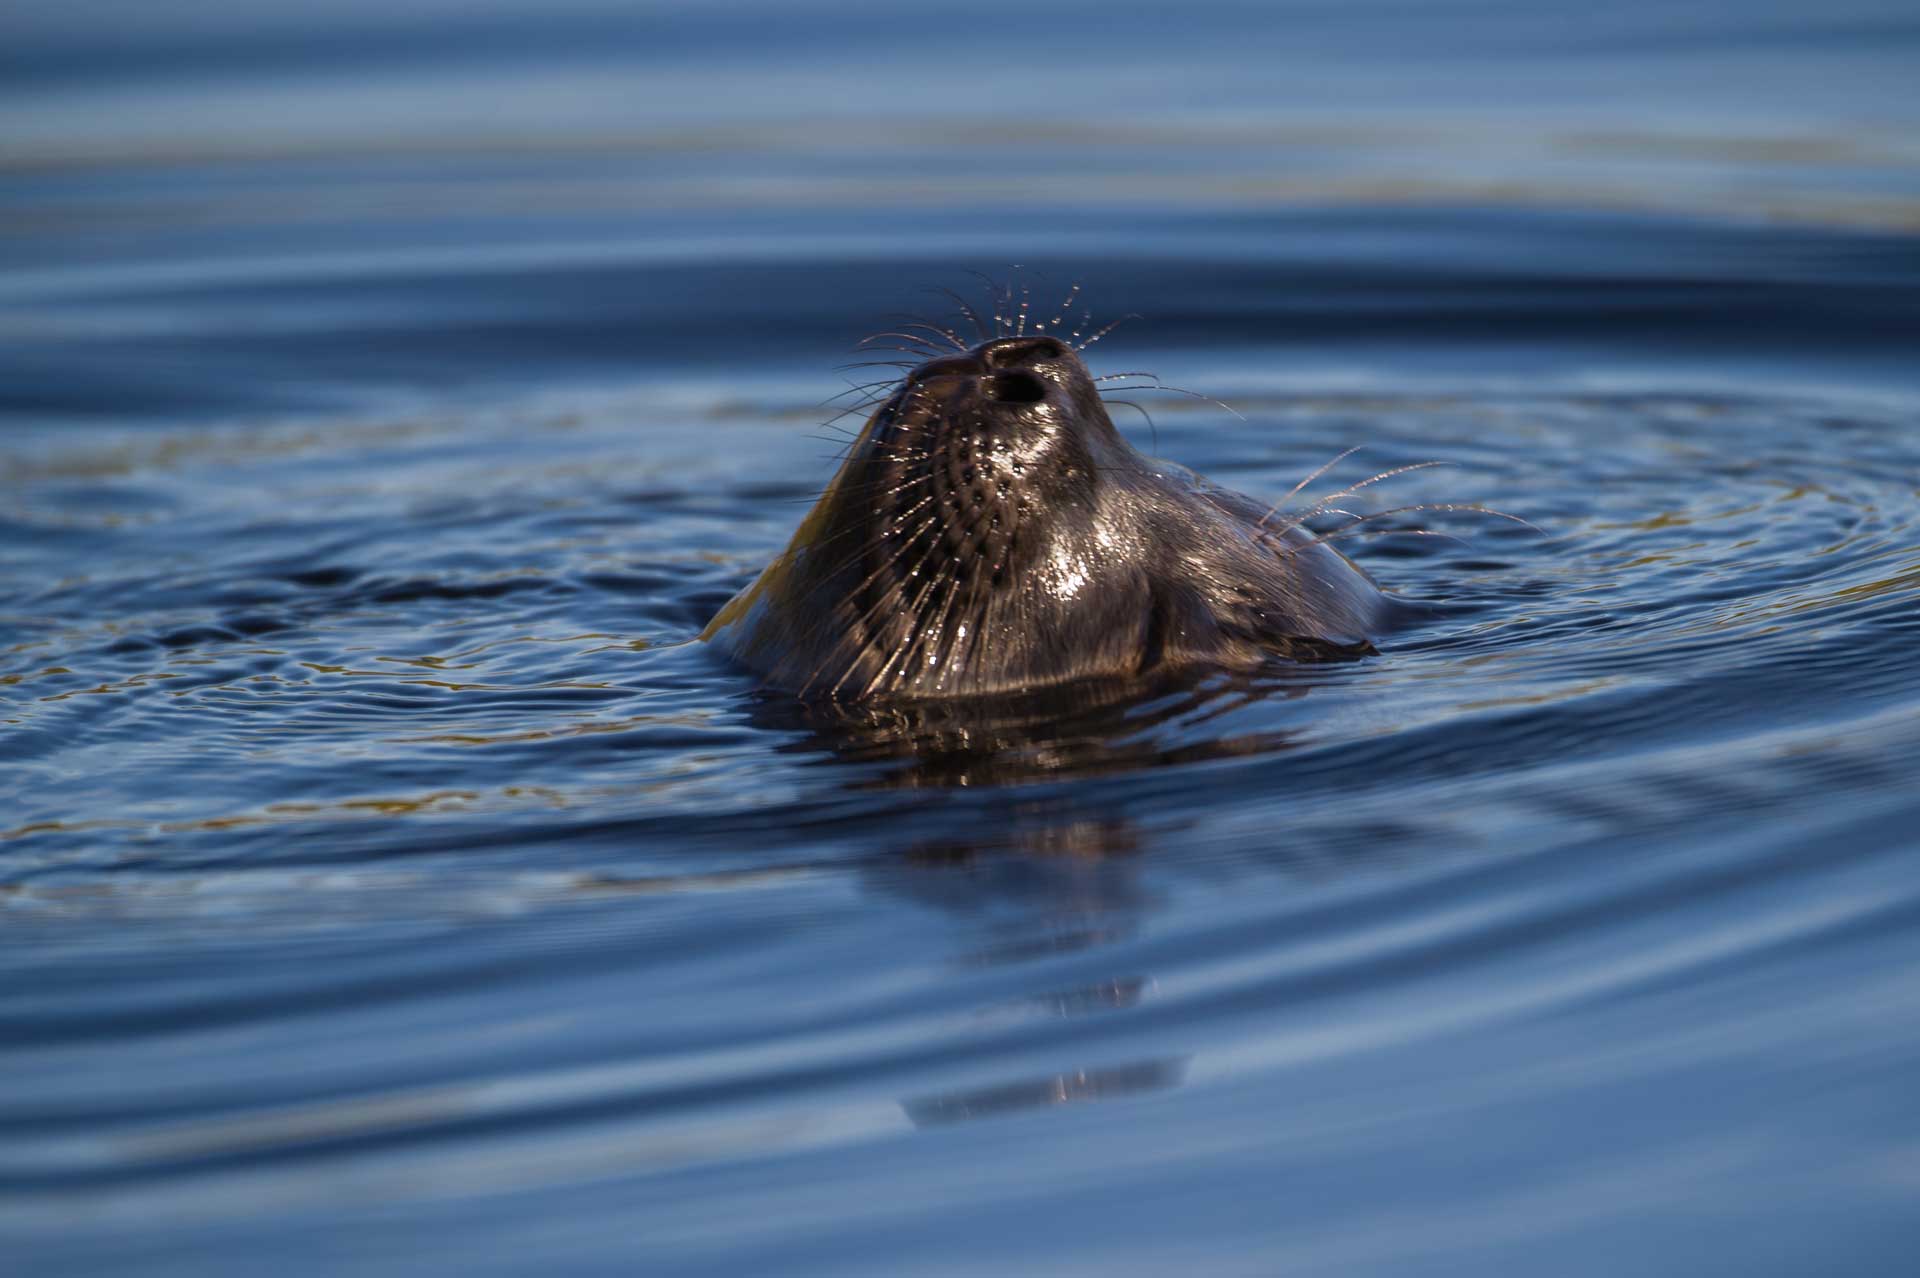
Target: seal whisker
[(858, 407), (925, 643), (1295, 490), (880, 449), (855, 388), (1153, 430), (1108, 329), (1066, 304), (994, 294), (848, 561), (856, 631), (966, 309), (897, 449), (1318, 511), (876, 363), (1344, 533), (854, 408), (937, 330), (869, 487), (1348, 492), (939, 653), (909, 640), (1157, 384), (920, 344), (933, 641), (1353, 528)]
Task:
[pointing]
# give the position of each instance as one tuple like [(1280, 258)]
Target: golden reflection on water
[(1853, 177), (285, 811), (1112, 1082)]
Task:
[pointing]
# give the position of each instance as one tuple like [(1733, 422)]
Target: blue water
[(388, 883)]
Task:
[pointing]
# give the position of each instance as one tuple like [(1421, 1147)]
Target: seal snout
[(1008, 370), (952, 366), (1013, 362), (1016, 352)]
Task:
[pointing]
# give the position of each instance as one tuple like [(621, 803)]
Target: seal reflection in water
[(991, 532)]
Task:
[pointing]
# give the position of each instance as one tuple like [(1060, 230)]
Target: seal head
[(990, 532)]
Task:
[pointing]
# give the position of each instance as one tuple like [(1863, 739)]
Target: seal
[(991, 532)]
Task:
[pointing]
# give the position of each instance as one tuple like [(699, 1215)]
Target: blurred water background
[(388, 394)]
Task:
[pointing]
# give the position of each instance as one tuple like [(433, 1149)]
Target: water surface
[(390, 881)]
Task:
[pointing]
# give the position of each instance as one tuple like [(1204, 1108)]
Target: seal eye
[(1016, 388)]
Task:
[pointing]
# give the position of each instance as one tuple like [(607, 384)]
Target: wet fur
[(991, 531)]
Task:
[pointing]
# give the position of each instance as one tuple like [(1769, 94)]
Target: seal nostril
[(1016, 388)]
